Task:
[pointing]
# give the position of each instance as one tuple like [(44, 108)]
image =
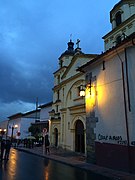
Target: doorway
[(79, 137)]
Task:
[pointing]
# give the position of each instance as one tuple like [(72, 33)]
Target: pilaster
[(91, 137)]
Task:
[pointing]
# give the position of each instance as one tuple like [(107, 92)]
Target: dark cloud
[(25, 81), (33, 34)]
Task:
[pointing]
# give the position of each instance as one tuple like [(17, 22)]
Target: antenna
[(36, 103)]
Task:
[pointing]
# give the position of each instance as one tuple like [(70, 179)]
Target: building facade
[(110, 97), (19, 124), (67, 117)]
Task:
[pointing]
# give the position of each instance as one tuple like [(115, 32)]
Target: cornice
[(76, 107), (59, 70), (121, 26)]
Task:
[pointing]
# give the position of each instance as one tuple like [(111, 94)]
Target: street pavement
[(77, 160)]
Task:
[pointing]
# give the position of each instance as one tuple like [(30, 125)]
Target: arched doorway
[(79, 137), (56, 137)]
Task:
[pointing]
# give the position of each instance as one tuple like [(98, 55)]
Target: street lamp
[(13, 127)]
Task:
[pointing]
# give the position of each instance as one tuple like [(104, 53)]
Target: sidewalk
[(77, 160)]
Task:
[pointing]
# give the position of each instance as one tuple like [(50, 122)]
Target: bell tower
[(122, 18)]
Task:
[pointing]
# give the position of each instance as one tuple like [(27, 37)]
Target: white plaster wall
[(44, 113), (109, 106), (131, 76)]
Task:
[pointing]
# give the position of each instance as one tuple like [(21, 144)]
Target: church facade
[(67, 117)]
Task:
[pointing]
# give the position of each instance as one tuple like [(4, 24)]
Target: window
[(118, 18)]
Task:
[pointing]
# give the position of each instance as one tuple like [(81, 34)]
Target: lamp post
[(12, 132)]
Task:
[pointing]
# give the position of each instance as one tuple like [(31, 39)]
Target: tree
[(34, 130)]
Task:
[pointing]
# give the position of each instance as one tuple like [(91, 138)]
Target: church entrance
[(56, 137), (79, 137)]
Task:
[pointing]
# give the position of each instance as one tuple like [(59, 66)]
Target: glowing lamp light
[(16, 126), (89, 91), (82, 91)]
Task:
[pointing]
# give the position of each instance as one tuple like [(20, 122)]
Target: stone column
[(91, 137)]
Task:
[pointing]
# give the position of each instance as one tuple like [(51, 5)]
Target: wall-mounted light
[(82, 90), (89, 91)]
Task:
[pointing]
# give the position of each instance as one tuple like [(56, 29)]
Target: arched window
[(118, 18)]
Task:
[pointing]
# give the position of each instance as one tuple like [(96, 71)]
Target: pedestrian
[(2, 149), (7, 149), (47, 144)]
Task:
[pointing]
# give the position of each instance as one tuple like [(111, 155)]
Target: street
[(25, 166)]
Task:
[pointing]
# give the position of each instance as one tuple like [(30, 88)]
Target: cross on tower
[(77, 43)]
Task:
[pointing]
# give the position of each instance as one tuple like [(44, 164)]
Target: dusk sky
[(33, 34)]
